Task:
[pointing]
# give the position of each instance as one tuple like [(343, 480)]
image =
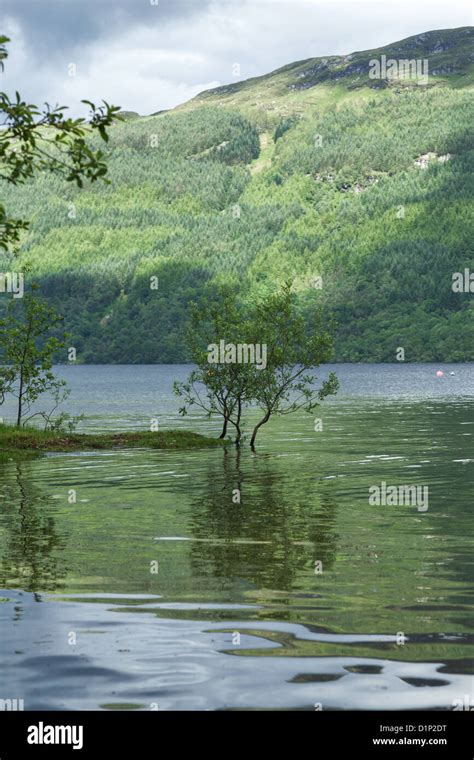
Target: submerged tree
[(271, 328), (294, 351), (217, 388), (27, 349)]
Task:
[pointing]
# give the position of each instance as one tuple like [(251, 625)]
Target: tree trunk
[(20, 403), (224, 429), (237, 423), (22, 371), (263, 421)]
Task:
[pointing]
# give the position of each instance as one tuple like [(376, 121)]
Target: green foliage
[(288, 384), (343, 198), (27, 355), (283, 382), (34, 140), (284, 126), (222, 389)]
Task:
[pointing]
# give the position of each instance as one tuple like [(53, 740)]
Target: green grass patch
[(27, 442)]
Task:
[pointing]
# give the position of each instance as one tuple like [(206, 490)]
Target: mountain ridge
[(434, 42)]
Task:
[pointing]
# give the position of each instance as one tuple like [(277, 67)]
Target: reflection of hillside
[(29, 554), (273, 537)]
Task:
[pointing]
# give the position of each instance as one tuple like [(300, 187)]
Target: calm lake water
[(156, 591)]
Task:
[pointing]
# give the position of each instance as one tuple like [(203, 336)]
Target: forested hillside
[(360, 192)]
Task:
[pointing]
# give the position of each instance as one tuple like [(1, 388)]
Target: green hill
[(314, 171)]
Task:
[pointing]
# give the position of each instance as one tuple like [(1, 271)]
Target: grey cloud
[(147, 57), (50, 25)]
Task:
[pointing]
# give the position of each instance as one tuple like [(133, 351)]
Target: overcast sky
[(147, 55)]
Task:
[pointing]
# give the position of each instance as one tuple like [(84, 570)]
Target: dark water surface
[(302, 594)]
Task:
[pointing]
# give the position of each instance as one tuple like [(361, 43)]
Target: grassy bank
[(25, 443)]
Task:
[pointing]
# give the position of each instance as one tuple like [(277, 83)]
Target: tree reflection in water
[(272, 538), (33, 556)]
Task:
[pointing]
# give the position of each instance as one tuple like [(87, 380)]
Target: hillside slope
[(314, 171)]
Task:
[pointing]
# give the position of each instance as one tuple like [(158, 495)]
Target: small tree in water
[(27, 353), (217, 389), (294, 350), (284, 384)]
